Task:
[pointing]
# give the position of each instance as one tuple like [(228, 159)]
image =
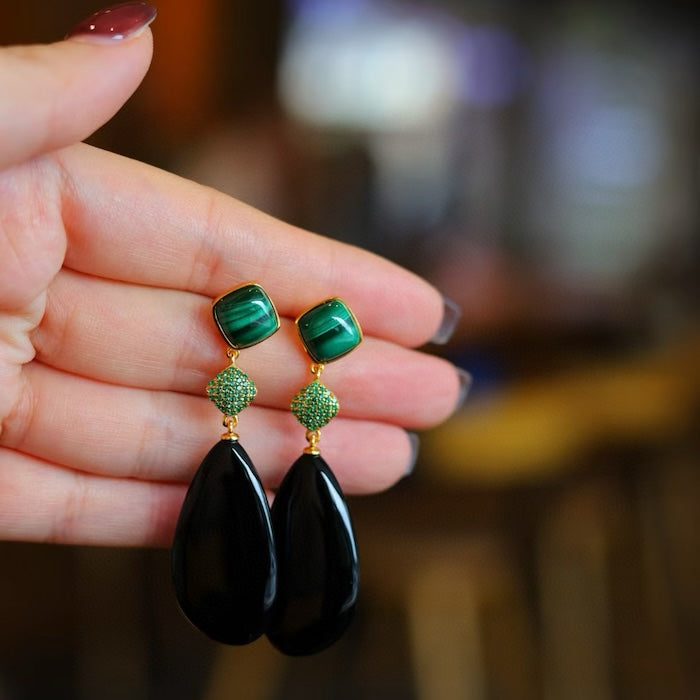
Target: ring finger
[(162, 436)]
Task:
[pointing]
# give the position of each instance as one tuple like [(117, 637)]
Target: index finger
[(135, 223)]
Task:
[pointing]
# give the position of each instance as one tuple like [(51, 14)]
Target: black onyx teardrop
[(223, 559), (318, 572)]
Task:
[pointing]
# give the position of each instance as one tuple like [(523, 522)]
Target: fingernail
[(450, 317), (115, 23), (415, 446), (465, 383)]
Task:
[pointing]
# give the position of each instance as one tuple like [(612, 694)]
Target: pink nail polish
[(116, 22)]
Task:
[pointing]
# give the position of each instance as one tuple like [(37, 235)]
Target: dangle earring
[(318, 572), (223, 557)]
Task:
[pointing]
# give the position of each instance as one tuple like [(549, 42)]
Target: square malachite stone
[(329, 330), (245, 316)]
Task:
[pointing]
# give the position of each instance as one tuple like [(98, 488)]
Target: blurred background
[(539, 162)]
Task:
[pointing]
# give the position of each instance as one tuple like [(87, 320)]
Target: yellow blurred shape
[(538, 428)]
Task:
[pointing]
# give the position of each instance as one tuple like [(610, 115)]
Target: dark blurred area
[(539, 162)]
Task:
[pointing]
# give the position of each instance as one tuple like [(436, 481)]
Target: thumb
[(58, 94)]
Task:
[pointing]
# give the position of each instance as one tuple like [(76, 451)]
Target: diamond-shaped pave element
[(329, 330), (231, 390), (315, 405), (245, 316)]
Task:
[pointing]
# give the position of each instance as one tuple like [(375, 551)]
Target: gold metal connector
[(312, 437), (230, 422)]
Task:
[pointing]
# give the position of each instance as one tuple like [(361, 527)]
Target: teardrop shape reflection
[(318, 571), (223, 560)]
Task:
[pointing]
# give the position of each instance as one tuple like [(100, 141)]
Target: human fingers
[(166, 340), (57, 94), (131, 222), (162, 436), (43, 502), (53, 95)]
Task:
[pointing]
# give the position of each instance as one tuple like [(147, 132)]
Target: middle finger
[(153, 338)]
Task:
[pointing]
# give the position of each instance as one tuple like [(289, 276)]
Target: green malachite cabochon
[(245, 316), (329, 330)]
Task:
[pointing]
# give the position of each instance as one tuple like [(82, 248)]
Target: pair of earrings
[(241, 569)]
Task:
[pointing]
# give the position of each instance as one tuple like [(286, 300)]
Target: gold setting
[(230, 422), (314, 436)]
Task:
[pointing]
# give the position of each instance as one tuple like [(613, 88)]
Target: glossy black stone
[(318, 572), (223, 559)]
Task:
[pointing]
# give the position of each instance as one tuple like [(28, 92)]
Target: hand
[(107, 271)]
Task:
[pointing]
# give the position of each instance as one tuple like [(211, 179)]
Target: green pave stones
[(315, 405), (329, 330), (245, 316), (231, 390)]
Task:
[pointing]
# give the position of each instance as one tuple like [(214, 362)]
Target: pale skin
[(107, 272)]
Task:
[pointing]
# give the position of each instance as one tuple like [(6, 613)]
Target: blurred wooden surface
[(537, 429)]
